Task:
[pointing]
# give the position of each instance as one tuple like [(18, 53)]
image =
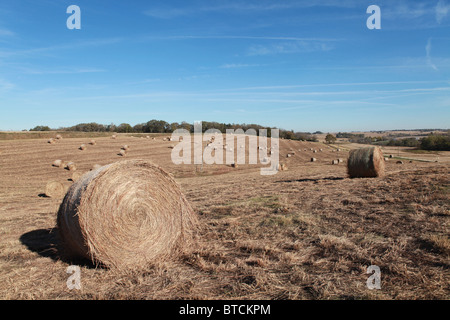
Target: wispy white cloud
[(6, 32), (428, 55), (238, 65), (442, 10), (289, 47), (6, 86), (166, 12)]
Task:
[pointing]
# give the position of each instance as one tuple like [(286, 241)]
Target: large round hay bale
[(58, 136), (125, 147), (54, 189), (83, 147), (366, 163), (335, 162), (51, 141), (113, 136), (122, 153), (92, 142), (313, 159), (125, 215)]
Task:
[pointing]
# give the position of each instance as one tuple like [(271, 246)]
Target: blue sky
[(294, 64)]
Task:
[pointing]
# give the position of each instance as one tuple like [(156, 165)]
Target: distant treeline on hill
[(161, 126)]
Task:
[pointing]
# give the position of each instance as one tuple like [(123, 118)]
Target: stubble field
[(306, 233)]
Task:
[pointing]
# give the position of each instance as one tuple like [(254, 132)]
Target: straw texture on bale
[(51, 141), (54, 189), (122, 153), (83, 147), (92, 142), (58, 136), (125, 147), (366, 163), (125, 215)]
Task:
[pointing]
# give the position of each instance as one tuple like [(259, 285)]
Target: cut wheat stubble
[(125, 215)]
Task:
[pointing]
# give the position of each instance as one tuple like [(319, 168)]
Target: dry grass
[(306, 233)]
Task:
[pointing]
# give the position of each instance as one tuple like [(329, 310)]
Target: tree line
[(161, 126)]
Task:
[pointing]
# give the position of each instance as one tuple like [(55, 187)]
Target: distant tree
[(41, 128), (435, 142), (330, 138), (124, 128)]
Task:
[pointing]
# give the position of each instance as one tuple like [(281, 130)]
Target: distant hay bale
[(335, 162), (314, 151), (147, 137), (289, 155), (234, 165), (71, 166), (313, 159), (83, 147), (51, 141), (76, 175), (59, 137), (54, 189), (391, 156), (399, 162), (122, 153), (113, 136), (125, 215), (340, 160), (386, 159), (92, 142), (125, 147), (58, 163), (366, 163)]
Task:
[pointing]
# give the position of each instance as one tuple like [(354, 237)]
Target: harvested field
[(309, 232)]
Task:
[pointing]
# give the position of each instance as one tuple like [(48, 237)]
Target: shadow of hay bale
[(45, 242)]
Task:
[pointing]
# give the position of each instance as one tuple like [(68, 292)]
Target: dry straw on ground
[(366, 163), (54, 189), (125, 215)]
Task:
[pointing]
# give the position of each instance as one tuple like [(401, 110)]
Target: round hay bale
[(58, 163), (92, 142), (234, 165), (122, 153), (51, 141), (288, 155), (113, 136), (313, 159), (71, 166), (54, 189), (83, 147), (125, 215), (125, 147), (366, 163), (76, 175), (340, 160), (334, 162), (58, 136), (399, 162)]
